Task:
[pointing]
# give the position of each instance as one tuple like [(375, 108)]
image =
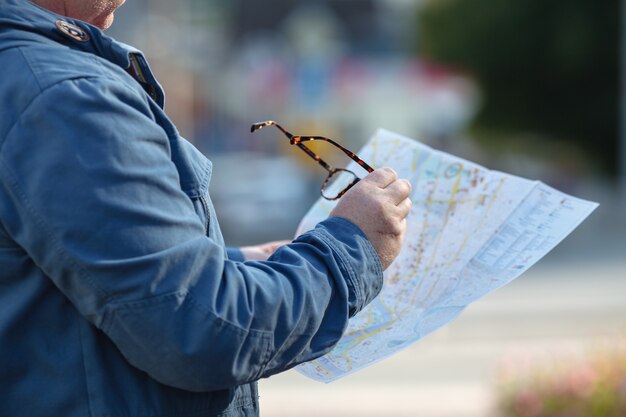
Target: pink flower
[(528, 404), (582, 381)]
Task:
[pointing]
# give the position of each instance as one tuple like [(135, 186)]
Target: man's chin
[(105, 22)]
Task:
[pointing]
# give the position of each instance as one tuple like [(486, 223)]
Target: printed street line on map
[(470, 231)]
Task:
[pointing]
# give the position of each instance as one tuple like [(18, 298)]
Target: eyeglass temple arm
[(315, 156), (297, 140), (261, 125), (351, 155), (294, 141)]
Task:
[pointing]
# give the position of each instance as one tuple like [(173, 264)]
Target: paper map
[(470, 231)]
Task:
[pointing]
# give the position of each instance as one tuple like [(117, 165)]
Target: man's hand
[(261, 252), (379, 205)]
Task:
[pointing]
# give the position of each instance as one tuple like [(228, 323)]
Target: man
[(117, 296)]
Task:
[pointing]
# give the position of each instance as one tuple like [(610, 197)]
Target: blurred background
[(530, 87)]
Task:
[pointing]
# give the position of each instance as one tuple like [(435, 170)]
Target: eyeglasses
[(339, 180)]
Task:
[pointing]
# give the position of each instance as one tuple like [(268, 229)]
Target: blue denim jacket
[(117, 296)]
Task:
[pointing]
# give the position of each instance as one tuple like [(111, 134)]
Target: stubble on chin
[(104, 22), (96, 12), (105, 13), (99, 13)]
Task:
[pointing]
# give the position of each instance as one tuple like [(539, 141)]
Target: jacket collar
[(34, 22), (23, 22)]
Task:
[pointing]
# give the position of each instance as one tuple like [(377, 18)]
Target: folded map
[(471, 230)]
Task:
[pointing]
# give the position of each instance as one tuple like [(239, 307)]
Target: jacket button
[(72, 31)]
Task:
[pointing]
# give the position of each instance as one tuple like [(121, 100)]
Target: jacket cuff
[(357, 259), (235, 254)]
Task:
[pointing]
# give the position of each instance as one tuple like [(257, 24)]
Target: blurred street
[(451, 373), (572, 302)]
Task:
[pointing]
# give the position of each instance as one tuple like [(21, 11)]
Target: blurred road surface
[(451, 373)]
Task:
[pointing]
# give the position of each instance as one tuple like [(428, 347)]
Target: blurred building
[(339, 68)]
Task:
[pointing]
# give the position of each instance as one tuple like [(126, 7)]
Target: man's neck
[(56, 6)]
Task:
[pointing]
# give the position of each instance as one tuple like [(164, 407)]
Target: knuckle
[(391, 220), (357, 191), (394, 232), (381, 209), (380, 213), (407, 205), (388, 172), (374, 174), (406, 186), (396, 229), (391, 172)]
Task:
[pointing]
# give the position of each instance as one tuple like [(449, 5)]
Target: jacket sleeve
[(91, 194), (235, 254)]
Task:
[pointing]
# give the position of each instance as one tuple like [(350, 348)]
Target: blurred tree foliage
[(547, 66)]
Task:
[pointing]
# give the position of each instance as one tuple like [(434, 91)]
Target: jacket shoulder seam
[(36, 97), (30, 67)]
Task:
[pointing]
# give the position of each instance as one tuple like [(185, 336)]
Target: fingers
[(398, 191), (386, 178), (404, 208), (379, 205), (263, 251), (382, 177), (271, 247), (397, 216)]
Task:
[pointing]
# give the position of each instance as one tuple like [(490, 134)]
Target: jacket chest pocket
[(201, 205), (195, 172), (206, 212)]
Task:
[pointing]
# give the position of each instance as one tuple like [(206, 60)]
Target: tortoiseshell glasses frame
[(333, 172)]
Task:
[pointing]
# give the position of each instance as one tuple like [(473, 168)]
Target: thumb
[(382, 177)]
